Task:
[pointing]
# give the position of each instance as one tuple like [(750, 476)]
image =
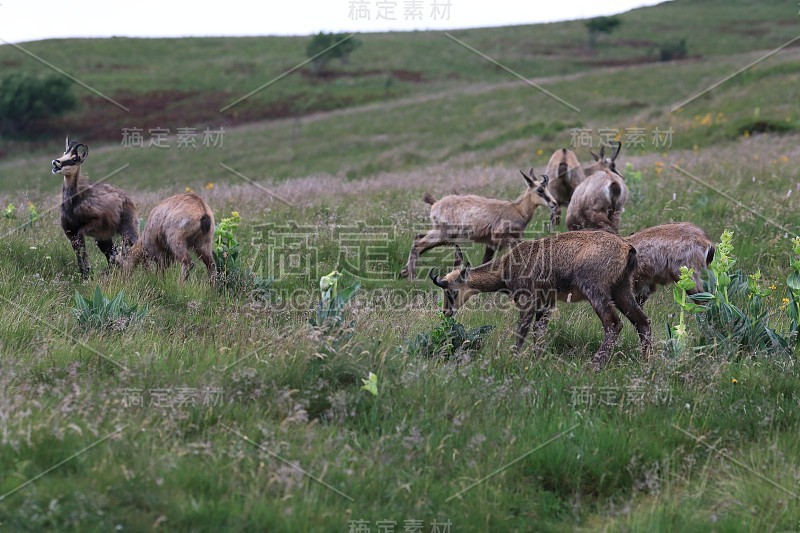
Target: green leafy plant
[(226, 245), (370, 384), (100, 312), (739, 312), (10, 211), (330, 309), (449, 338), (793, 286), (33, 215), (232, 275), (676, 336)]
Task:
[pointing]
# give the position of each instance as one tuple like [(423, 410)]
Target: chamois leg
[(523, 326), (204, 253), (181, 253), (612, 326), (488, 254), (527, 310), (626, 303), (540, 329), (555, 217), (79, 245), (422, 244), (107, 247)]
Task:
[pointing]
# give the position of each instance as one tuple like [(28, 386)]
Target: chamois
[(573, 266), (95, 210), (495, 223), (662, 251), (176, 225), (566, 174), (599, 200)]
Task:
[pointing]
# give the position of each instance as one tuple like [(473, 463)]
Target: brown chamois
[(599, 200), (495, 223), (661, 252), (95, 210), (176, 225), (566, 174), (573, 266)]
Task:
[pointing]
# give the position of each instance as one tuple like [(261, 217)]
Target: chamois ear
[(66, 145), (617, 151), (528, 179), (594, 156), (465, 271), (459, 257), (436, 281)]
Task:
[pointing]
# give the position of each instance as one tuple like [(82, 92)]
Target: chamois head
[(456, 291), (74, 155), (602, 162), (538, 191)]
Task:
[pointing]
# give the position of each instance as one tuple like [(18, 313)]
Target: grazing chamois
[(95, 210), (566, 174), (599, 200), (176, 225), (495, 223), (661, 252), (573, 266)]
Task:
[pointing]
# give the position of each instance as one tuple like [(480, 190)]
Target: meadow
[(227, 410)]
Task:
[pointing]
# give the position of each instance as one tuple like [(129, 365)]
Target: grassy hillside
[(172, 83), (225, 410)]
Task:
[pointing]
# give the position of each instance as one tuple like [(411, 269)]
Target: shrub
[(672, 50), (101, 312), (24, 98), (327, 41), (599, 25)]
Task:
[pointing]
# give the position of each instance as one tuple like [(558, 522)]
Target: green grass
[(233, 366)]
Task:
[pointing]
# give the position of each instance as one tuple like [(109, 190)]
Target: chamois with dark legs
[(177, 225), (495, 223), (96, 210), (574, 266)]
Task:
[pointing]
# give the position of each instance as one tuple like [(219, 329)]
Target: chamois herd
[(588, 262)]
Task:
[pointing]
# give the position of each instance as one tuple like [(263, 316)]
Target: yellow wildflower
[(209, 186)]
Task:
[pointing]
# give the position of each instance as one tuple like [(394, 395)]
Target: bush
[(323, 41), (672, 50), (24, 98), (102, 313), (599, 25)]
